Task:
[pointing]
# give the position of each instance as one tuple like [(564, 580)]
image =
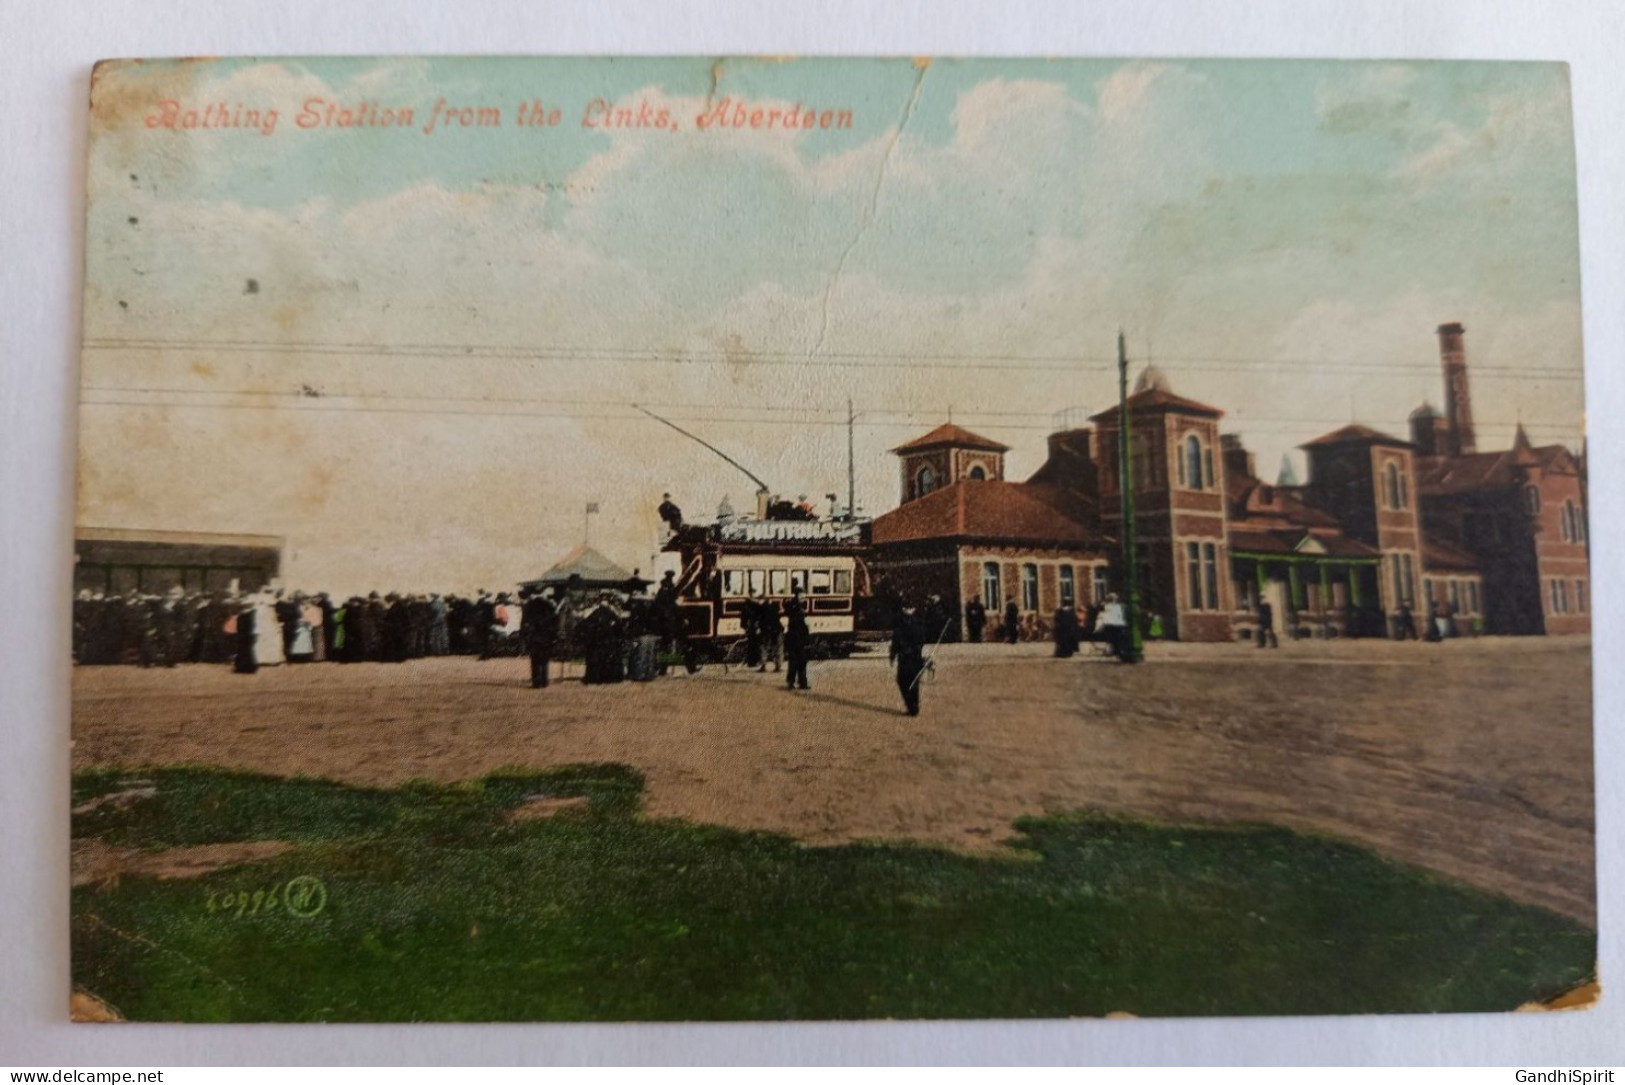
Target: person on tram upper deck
[(670, 513)]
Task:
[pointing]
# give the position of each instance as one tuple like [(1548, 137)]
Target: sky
[(417, 356)]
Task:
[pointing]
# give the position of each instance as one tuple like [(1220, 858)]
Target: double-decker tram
[(726, 564), (782, 547)]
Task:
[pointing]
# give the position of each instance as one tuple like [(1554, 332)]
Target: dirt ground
[(1472, 758)]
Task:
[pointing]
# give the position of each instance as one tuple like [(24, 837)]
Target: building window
[(1210, 570), (1473, 601), (925, 481), (977, 474), (1069, 588), (1580, 596), (1455, 596), (1100, 585), (1404, 578), (1560, 596), (1394, 488), (1139, 461), (1193, 575), (1029, 587), (992, 593), (1427, 587), (1572, 529), (1531, 499), (1192, 467)]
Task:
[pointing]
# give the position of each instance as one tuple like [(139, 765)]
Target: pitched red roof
[(950, 434), (1159, 399), (1291, 540), (1005, 511), (1274, 506), (1437, 555), (1354, 433), (1487, 470)]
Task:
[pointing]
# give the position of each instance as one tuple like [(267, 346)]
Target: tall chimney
[(1458, 404)]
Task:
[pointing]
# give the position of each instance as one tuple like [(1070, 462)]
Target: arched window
[(925, 481), (992, 595), (977, 474), (1572, 530), (1193, 462)]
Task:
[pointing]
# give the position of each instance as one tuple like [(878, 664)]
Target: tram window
[(779, 583), (819, 581), (733, 582), (758, 580), (843, 581), (798, 579)]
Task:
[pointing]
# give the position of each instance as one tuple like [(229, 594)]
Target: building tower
[(1458, 402), (1178, 467), (946, 455)]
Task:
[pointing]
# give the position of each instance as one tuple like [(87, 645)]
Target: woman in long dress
[(268, 650)]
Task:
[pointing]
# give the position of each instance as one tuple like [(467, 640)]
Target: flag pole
[(1134, 650)]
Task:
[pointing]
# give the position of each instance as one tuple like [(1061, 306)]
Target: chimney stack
[(1458, 403), (1237, 460)]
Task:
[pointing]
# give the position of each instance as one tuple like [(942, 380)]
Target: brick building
[(963, 532), (1495, 541)]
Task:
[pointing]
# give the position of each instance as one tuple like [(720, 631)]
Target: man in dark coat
[(975, 620), (797, 641), (1012, 622), (908, 653), (247, 662), (768, 620), (670, 513), (750, 622), (1406, 621), (1266, 624), (287, 613), (540, 627), (485, 616), (397, 629), (1066, 632), (602, 636)]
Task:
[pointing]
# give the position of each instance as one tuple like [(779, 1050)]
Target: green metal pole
[(1131, 572)]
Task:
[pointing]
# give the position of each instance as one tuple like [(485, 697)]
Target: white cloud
[(1122, 91)]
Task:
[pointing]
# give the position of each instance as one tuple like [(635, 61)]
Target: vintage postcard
[(758, 538)]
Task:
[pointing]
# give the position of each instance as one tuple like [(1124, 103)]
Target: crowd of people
[(289, 627), (618, 634)]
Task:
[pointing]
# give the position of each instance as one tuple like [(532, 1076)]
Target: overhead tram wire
[(723, 413), (877, 359), (1307, 427)]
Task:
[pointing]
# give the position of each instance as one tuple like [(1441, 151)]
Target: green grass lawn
[(438, 909)]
